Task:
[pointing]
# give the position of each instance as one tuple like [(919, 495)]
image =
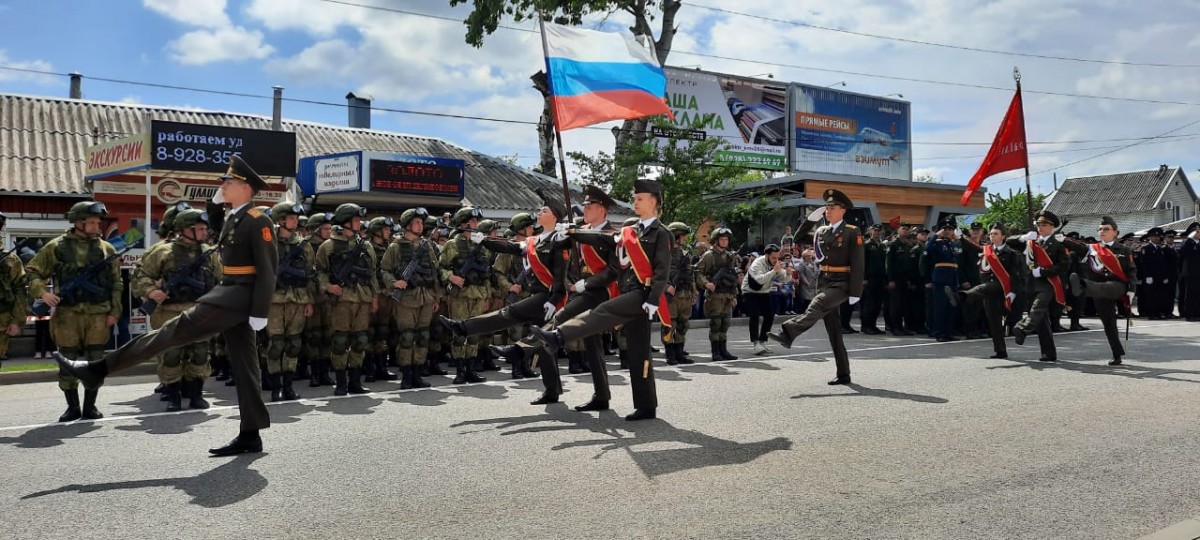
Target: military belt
[(835, 269), (945, 265), (239, 270)]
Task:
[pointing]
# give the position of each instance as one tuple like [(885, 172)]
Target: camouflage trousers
[(5, 320), (318, 337), (80, 336), (465, 347), (351, 325), (382, 337), (718, 307), (681, 312), (187, 362), (285, 337), (413, 320)]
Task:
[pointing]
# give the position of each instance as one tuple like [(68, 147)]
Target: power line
[(943, 45)]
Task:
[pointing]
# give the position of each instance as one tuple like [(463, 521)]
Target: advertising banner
[(846, 133), (337, 173), (750, 115), (417, 175), (118, 156), (178, 146)]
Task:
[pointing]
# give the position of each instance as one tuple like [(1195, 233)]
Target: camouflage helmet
[(83, 209), (283, 209), (346, 212), (264, 209), (431, 223), (167, 224), (411, 214), (190, 217), (465, 214), (520, 221), (677, 228), (721, 231), (486, 226), (380, 223), (316, 220)]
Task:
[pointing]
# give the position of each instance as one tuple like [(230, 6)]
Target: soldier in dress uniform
[(410, 272), (237, 307), (875, 280), (644, 251), (375, 362), (900, 282), (999, 268), (174, 276), (839, 248), (468, 294), (1152, 262), (717, 272), (920, 297), (1169, 283), (943, 252), (681, 293), (974, 318), (1048, 264), (292, 303), (1189, 274), (318, 338), (83, 319), (1111, 275), (346, 271), (13, 297)]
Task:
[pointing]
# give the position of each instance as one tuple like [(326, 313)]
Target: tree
[(486, 16), (927, 178), (1009, 211)]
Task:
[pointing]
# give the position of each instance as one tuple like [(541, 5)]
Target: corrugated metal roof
[(43, 142), (1111, 193)]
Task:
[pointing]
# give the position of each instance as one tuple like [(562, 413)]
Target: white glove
[(1012, 297), (561, 227), (578, 286), (1149, 281), (817, 214), (550, 309), (1130, 294), (1037, 272), (853, 300), (958, 234), (1028, 236), (477, 237), (650, 310), (258, 323)]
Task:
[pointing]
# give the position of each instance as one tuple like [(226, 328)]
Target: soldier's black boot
[(725, 354), (231, 381), (517, 372), (276, 388), (460, 372), (672, 359), (472, 374), (715, 350), (90, 412), (220, 366), (356, 386), (196, 395), (623, 355), (326, 365), (369, 366), (406, 374), (267, 381), (174, 399), (575, 362), (339, 388), (527, 371), (417, 381), (681, 355), (486, 360), (302, 371), (289, 393), (381, 368), (73, 412), (610, 346), (435, 368), (318, 369), (88, 373)]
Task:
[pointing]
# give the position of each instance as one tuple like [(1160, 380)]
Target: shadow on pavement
[(169, 424), (706, 369), (862, 391), (428, 397), (48, 436), (700, 450), (483, 391), (356, 405), (1101, 367), (289, 412), (231, 482)]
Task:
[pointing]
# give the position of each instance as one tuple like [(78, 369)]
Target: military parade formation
[(262, 297)]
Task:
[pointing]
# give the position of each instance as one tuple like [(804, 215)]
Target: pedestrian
[(763, 278)]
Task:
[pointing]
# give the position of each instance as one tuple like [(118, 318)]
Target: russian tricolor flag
[(601, 76)]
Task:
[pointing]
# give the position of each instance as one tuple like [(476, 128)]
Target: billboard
[(846, 133), (749, 114), (117, 156), (363, 171), (177, 146)]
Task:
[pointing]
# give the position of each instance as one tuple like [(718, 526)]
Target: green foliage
[(487, 15), (1011, 211)]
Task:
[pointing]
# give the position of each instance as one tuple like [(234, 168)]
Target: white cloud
[(7, 75), (131, 99), (202, 13), (200, 47)]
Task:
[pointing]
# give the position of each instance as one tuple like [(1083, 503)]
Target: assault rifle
[(285, 266), (411, 269), (182, 276), (85, 280), (725, 278), (473, 263), (15, 248), (340, 276)]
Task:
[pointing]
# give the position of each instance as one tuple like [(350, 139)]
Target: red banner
[(1008, 151)]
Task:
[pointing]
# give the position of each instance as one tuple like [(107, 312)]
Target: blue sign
[(382, 172), (854, 134)]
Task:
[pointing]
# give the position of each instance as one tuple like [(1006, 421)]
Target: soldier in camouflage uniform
[(682, 295), (468, 293), (485, 360), (439, 337), (717, 272), (159, 279), (379, 234), (413, 311), (317, 335), (83, 320), (13, 298), (513, 280), (291, 303), (346, 272)]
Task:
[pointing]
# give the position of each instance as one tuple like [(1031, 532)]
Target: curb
[(51, 375)]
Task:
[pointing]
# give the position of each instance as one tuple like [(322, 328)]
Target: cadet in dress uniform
[(900, 282), (999, 267), (292, 303), (13, 297), (875, 280), (410, 273), (375, 363), (681, 293), (1048, 264), (318, 338), (346, 271), (717, 271), (1111, 275), (1189, 274), (83, 319), (237, 307), (839, 248), (644, 251), (974, 317)]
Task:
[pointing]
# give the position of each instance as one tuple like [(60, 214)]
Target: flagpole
[(562, 158), (1028, 190)]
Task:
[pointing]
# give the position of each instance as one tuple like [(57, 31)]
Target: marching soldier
[(83, 317), (999, 267), (840, 255), (292, 303), (682, 295), (1111, 275), (942, 251), (318, 338), (379, 230), (346, 272), (463, 265), (174, 276), (410, 273), (900, 282), (13, 297), (875, 284), (717, 272), (512, 279), (236, 307), (1048, 263)]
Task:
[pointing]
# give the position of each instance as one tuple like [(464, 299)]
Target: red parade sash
[(1042, 259), (643, 269), (1000, 272), (1110, 262), (596, 264), (539, 269)]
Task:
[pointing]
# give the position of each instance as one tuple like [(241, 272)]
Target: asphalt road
[(933, 441)]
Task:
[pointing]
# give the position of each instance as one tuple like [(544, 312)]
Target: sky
[(1143, 58)]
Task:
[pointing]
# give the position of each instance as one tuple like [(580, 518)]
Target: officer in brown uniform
[(1110, 282), (237, 307), (839, 250)]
